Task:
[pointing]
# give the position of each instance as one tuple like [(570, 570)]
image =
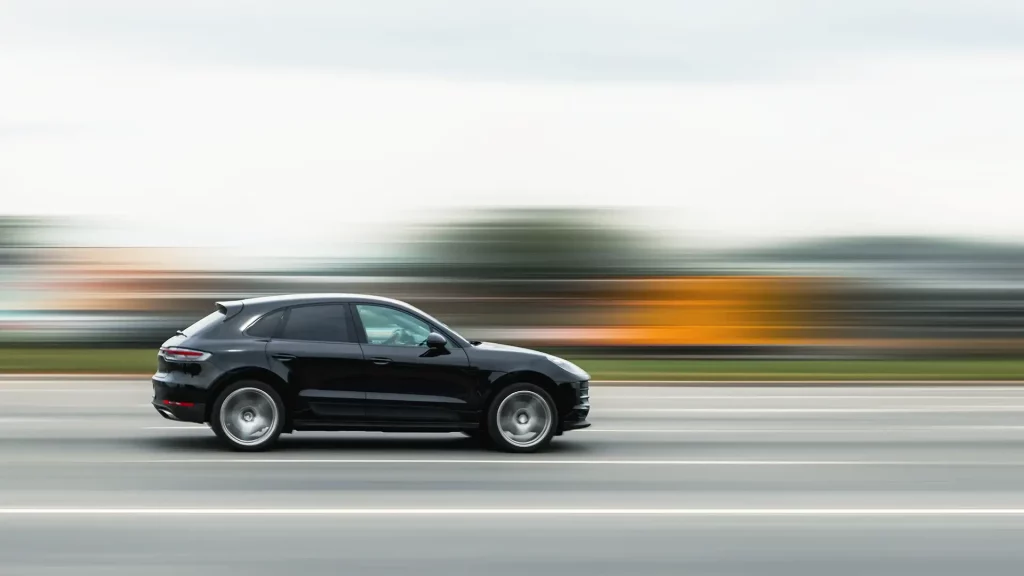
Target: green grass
[(56, 360), (77, 360)]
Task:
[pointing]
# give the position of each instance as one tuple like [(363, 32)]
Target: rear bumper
[(184, 404), (195, 413)]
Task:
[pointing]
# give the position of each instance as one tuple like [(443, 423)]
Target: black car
[(256, 368)]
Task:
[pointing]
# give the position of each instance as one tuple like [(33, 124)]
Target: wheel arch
[(252, 373), (531, 377)]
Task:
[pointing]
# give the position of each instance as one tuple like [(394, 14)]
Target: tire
[(522, 418), (241, 404)]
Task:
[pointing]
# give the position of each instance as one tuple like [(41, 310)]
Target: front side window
[(390, 327), (324, 323)]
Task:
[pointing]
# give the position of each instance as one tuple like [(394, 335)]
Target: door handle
[(381, 361), (284, 357)]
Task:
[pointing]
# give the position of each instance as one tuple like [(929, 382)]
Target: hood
[(495, 347)]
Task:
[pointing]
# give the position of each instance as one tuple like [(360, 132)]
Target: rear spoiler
[(230, 308)]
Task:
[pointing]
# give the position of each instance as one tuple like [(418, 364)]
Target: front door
[(318, 351), (409, 382)]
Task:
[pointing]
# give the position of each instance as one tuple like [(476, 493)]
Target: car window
[(266, 327), (392, 327), (325, 323), (203, 323)]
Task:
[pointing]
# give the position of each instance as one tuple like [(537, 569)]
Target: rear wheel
[(248, 416), (522, 418)]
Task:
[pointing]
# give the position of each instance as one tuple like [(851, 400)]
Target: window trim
[(279, 334), (361, 330)]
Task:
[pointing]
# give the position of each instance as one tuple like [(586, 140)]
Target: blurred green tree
[(535, 243), (16, 239)]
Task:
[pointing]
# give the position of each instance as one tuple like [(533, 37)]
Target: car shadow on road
[(355, 443)]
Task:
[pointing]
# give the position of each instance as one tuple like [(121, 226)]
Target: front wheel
[(522, 418), (248, 416)]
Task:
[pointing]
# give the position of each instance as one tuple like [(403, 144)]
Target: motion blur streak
[(511, 512), (581, 281)]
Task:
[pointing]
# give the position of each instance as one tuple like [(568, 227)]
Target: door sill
[(315, 426)]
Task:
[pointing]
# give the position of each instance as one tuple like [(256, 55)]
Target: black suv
[(259, 367)]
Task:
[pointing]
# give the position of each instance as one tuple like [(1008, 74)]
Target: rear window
[(325, 323), (201, 325), (266, 327)]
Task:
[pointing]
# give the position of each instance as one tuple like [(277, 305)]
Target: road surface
[(763, 481)]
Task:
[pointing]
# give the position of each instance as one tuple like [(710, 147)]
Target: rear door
[(409, 382), (318, 350)]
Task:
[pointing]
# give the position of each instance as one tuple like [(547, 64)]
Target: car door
[(320, 355), (408, 381)]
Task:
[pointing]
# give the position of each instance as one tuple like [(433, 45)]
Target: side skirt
[(318, 426)]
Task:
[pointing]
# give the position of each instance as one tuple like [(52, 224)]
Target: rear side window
[(266, 327), (206, 322), (325, 323)]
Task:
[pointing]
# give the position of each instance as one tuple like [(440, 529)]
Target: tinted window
[(328, 323), (392, 327), (266, 327), (199, 326)]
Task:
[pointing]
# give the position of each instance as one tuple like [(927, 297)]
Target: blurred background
[(598, 285), (727, 189)]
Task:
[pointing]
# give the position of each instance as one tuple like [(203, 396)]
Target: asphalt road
[(763, 481)]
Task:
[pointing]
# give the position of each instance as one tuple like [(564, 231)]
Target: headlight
[(569, 367)]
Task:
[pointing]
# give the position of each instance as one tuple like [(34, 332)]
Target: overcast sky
[(745, 121)]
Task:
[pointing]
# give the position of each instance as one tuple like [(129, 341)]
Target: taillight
[(175, 354)]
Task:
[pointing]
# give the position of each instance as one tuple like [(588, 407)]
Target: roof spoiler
[(230, 308)]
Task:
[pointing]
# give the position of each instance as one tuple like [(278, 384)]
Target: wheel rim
[(248, 415), (524, 418)]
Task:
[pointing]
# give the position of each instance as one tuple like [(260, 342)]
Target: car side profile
[(254, 369)]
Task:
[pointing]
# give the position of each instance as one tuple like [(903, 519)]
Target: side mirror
[(435, 340)]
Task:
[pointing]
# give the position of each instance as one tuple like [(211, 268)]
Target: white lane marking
[(823, 512), (937, 428), (192, 427), (23, 420), (908, 410), (545, 462)]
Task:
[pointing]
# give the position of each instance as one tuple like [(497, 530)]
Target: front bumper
[(566, 426), (576, 417)]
